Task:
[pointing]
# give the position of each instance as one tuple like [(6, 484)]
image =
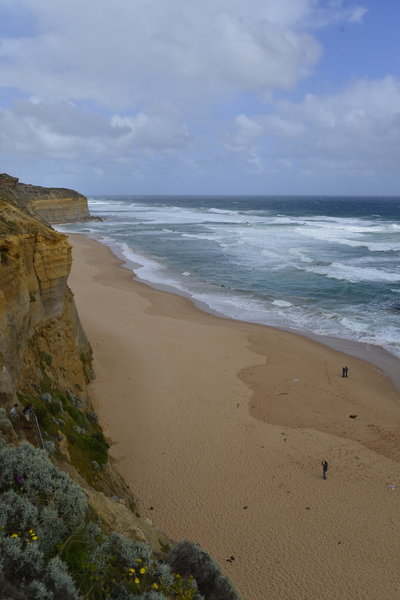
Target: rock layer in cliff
[(54, 205)]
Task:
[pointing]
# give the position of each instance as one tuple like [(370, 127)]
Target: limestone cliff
[(44, 348), (54, 205), (40, 332)]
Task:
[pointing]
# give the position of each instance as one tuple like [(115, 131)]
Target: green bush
[(96, 447), (77, 415)]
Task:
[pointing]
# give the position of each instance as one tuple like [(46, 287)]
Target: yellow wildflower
[(143, 570), (155, 586), (131, 570), (139, 560), (14, 535), (137, 580), (35, 537)]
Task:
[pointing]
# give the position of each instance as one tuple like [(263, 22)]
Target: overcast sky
[(202, 96)]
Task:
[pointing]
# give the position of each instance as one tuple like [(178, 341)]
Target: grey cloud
[(60, 129)]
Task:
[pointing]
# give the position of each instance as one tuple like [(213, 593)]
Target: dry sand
[(220, 428)]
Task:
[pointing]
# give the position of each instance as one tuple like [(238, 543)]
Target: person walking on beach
[(345, 371), (324, 469)]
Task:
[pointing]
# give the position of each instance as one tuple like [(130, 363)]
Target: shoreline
[(375, 355), (220, 427)]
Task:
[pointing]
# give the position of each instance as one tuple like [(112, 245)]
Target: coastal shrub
[(70, 396), (125, 550), (16, 513), (92, 416), (78, 416), (78, 429), (52, 547), (187, 558), (47, 422), (26, 574), (42, 482), (96, 447), (54, 408), (128, 570), (22, 519), (5, 423), (163, 572), (50, 447)]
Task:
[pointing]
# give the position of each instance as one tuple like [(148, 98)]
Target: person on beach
[(345, 371), (324, 469)]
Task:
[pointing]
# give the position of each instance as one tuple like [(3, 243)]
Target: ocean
[(326, 266)]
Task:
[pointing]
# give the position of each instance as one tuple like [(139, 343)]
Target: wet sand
[(220, 427)]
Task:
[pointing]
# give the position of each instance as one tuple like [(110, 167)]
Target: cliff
[(41, 335), (45, 359), (62, 537), (54, 205)]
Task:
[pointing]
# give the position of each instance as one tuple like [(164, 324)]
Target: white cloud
[(129, 52), (153, 131), (245, 134), (62, 130), (159, 80), (355, 129)]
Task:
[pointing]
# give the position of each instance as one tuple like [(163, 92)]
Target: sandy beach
[(219, 427)]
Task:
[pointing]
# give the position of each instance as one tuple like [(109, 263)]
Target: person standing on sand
[(324, 469), (345, 371)]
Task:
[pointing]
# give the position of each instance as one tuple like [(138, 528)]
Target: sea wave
[(355, 274), (331, 274)]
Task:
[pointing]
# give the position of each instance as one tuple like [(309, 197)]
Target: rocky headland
[(54, 205)]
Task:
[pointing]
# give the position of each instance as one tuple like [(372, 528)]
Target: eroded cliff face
[(43, 347), (40, 332), (54, 205)]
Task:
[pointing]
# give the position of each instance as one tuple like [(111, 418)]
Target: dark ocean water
[(323, 265)]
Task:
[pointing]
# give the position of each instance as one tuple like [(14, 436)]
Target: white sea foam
[(355, 274), (266, 252), (219, 211), (282, 303)]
